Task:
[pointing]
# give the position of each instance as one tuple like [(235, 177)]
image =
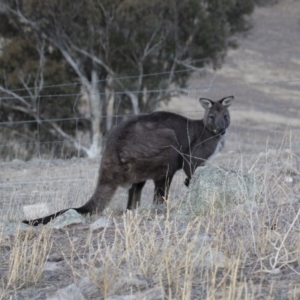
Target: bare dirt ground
[(264, 76)]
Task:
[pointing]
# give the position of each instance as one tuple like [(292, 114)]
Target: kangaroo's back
[(145, 147)]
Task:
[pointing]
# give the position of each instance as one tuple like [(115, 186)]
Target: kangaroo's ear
[(206, 103), (227, 101)]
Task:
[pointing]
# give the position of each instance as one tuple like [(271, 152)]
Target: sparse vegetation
[(27, 258), (247, 252)]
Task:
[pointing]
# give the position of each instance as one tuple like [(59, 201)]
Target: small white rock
[(289, 179), (151, 294), (216, 258), (275, 271), (88, 288), (36, 211), (101, 223), (51, 266), (294, 293), (17, 161), (204, 239), (125, 297)]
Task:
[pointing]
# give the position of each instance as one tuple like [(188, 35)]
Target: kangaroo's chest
[(217, 147)]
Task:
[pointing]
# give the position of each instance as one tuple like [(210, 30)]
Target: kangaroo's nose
[(220, 130)]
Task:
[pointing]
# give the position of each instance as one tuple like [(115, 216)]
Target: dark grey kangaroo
[(155, 146)]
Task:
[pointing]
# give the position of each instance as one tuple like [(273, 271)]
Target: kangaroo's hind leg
[(134, 195)]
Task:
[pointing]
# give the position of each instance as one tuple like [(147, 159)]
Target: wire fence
[(185, 112), (77, 83), (189, 92)]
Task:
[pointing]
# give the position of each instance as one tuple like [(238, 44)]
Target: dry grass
[(248, 252), (27, 258)]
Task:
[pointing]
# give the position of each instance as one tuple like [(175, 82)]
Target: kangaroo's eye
[(212, 117)]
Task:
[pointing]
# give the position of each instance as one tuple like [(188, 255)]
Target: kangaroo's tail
[(97, 203), (81, 210)]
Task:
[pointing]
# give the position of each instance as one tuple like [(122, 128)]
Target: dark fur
[(154, 146)]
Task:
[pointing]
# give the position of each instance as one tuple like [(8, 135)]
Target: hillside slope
[(263, 74)]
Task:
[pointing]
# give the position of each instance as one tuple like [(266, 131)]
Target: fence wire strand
[(245, 62), (177, 91)]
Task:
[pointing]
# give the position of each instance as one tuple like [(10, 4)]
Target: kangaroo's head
[(216, 118)]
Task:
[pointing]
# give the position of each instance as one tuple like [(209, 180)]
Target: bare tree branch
[(23, 110), (149, 49), (192, 68), (134, 102), (39, 79), (53, 125), (14, 95), (95, 59), (76, 68), (69, 138)]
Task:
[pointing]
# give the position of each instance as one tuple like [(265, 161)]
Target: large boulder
[(220, 189)]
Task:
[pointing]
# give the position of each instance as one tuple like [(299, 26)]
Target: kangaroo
[(155, 146)]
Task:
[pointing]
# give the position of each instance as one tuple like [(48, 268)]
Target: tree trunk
[(124, 107), (96, 98), (103, 122)]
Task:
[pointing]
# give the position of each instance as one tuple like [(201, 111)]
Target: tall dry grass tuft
[(27, 257), (179, 259)]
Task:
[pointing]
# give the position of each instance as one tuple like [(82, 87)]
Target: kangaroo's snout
[(221, 130)]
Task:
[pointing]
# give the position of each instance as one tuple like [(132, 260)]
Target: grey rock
[(214, 258), (7, 228), (203, 240), (151, 294), (70, 217), (220, 188), (124, 297), (102, 222), (89, 289), (123, 282), (70, 292), (293, 293), (17, 161), (51, 266)]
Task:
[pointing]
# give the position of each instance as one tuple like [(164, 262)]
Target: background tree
[(112, 45), (29, 68)]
